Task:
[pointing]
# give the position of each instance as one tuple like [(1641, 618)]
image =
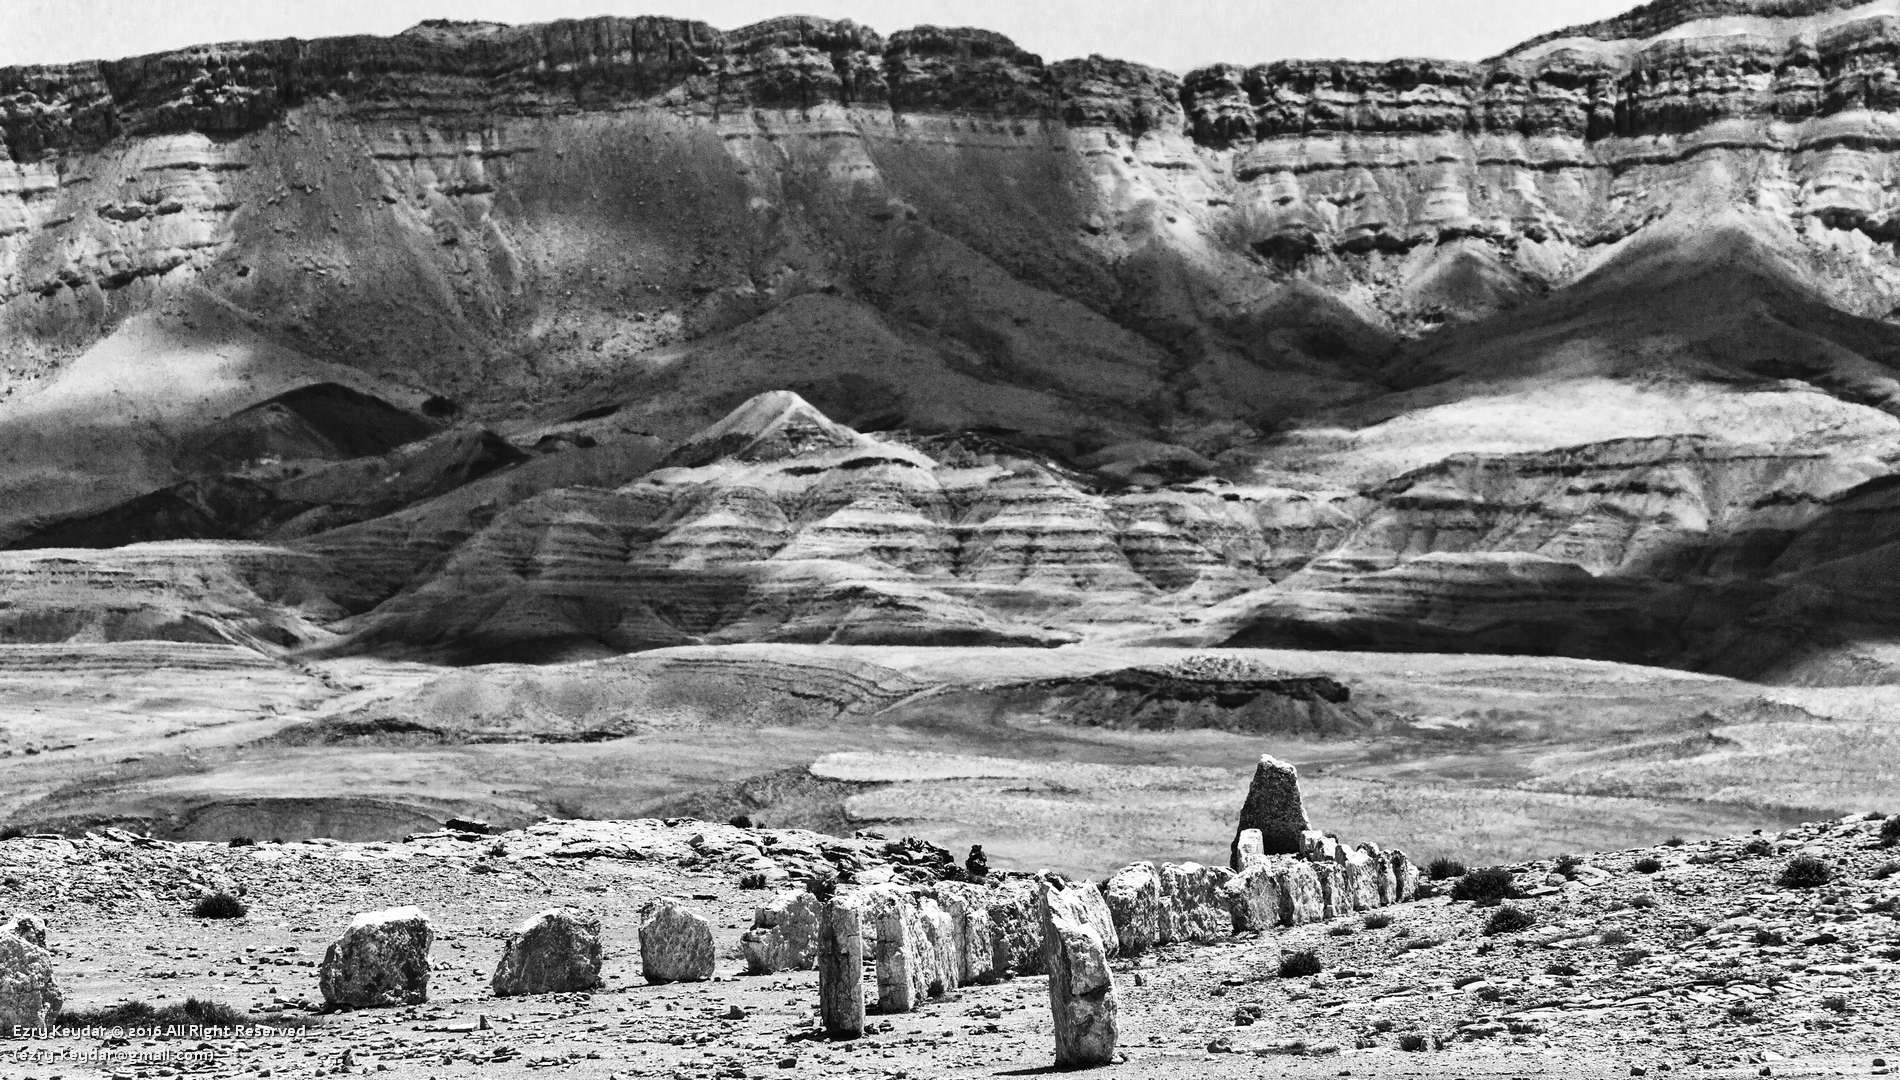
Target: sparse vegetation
[(740, 821), (12, 832), (1758, 847), (1300, 964), (1641, 902), (1412, 1042), (1342, 930), (1415, 944), (1648, 864), (1489, 885), (219, 905), (1508, 920), (1674, 841), (1890, 831), (1886, 870), (1615, 936), (191, 1011), (1444, 868), (242, 841), (1835, 1003), (1377, 920), (823, 886), (1568, 865), (1805, 872)]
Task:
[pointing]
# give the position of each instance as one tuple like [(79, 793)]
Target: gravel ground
[(1704, 965)]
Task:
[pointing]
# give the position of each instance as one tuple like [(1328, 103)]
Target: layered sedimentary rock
[(1581, 349)]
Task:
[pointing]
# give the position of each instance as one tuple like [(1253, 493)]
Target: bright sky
[(1173, 34)]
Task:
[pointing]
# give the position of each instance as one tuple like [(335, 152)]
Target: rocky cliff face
[(1581, 349)]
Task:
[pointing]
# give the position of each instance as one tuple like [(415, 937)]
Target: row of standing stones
[(922, 941)]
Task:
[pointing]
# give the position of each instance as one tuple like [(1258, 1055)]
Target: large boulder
[(676, 943), (1133, 895), (29, 995), (1305, 896), (1081, 987), (380, 961), (1274, 807), (784, 934), (1257, 896), (555, 952), (1194, 904)]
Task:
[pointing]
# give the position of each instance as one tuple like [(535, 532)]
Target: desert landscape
[(505, 468)]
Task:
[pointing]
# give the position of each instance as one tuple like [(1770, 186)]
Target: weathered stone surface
[(1360, 875), (1081, 987), (1015, 929), (1257, 897), (1194, 904), (973, 948), (30, 927), (841, 968), (1250, 847), (380, 961), (784, 934), (912, 954), (1405, 876), (1133, 894), (1305, 896), (1083, 902), (1274, 807), (557, 951), (676, 943), (1336, 896), (29, 994)]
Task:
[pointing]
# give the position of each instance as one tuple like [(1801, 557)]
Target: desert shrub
[(1648, 864), (1568, 865), (1444, 868), (242, 841), (1765, 936), (1890, 831), (1629, 958), (1377, 920), (1416, 944), (191, 1011), (1641, 901), (1805, 872), (823, 885), (1835, 1003), (1615, 935), (752, 879), (1412, 1042), (218, 905), (1509, 920), (1758, 847), (1742, 1012), (12, 832), (1886, 870), (1562, 969), (1488, 885), (1299, 964), (1342, 930), (739, 821)]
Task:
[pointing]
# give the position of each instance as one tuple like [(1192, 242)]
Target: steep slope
[(1584, 349)]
